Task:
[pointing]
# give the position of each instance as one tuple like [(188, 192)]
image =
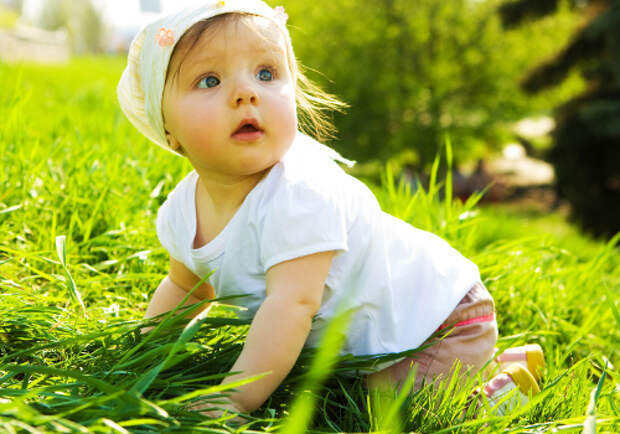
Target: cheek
[(192, 118), (291, 124), (287, 108)]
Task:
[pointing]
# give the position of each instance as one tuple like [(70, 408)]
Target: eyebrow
[(190, 65), (254, 51)]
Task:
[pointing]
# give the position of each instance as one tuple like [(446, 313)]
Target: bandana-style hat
[(141, 86)]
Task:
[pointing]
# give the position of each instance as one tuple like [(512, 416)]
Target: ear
[(173, 143)]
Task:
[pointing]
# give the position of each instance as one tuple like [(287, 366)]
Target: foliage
[(586, 155), (413, 71), (514, 12), (54, 15), (74, 167), (8, 18)]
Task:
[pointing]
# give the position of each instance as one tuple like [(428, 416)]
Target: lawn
[(79, 258)]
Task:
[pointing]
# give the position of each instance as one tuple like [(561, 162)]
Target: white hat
[(141, 86)]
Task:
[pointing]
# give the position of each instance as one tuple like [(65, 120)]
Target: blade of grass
[(61, 249), (303, 406), (188, 332), (48, 370), (163, 322), (589, 425), (116, 427), (448, 183), (211, 390), (91, 221)]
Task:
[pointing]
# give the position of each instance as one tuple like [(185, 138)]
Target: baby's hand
[(224, 406)]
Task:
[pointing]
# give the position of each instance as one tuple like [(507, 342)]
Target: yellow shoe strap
[(522, 378)]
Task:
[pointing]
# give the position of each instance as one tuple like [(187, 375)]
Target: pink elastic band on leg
[(512, 355), (478, 319)]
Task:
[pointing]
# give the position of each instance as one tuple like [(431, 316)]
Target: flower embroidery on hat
[(221, 3), (165, 37), (280, 15)]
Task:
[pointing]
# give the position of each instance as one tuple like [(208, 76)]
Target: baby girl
[(268, 213)]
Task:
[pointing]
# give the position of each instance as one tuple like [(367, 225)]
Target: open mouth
[(248, 130)]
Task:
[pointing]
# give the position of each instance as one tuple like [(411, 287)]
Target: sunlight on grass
[(73, 167)]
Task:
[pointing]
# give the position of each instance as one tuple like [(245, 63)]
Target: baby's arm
[(280, 327), (175, 287)]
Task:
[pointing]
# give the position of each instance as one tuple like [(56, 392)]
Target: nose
[(244, 93)]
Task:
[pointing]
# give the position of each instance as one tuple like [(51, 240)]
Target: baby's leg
[(471, 341)]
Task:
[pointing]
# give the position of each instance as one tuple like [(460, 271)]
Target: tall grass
[(79, 189)]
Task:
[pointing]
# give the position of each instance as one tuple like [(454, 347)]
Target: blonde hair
[(314, 105)]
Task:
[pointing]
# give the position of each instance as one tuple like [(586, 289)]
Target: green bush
[(413, 71), (586, 157), (586, 152)]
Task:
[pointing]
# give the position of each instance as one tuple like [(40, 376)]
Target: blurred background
[(527, 91)]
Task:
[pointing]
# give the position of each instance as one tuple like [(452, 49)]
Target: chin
[(263, 162), (248, 168)]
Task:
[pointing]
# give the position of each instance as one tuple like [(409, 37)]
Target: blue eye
[(208, 82), (264, 75)]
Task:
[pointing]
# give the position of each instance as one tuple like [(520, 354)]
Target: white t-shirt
[(402, 282)]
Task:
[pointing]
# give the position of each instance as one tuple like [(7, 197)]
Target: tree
[(586, 151), (413, 71), (81, 19), (54, 15)]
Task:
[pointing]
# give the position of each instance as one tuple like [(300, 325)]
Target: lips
[(248, 130)]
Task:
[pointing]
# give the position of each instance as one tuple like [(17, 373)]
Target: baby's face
[(230, 105)]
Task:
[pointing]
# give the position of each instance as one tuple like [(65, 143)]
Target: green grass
[(73, 167)]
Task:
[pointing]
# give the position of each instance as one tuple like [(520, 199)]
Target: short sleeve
[(166, 224), (301, 221), (175, 223)]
